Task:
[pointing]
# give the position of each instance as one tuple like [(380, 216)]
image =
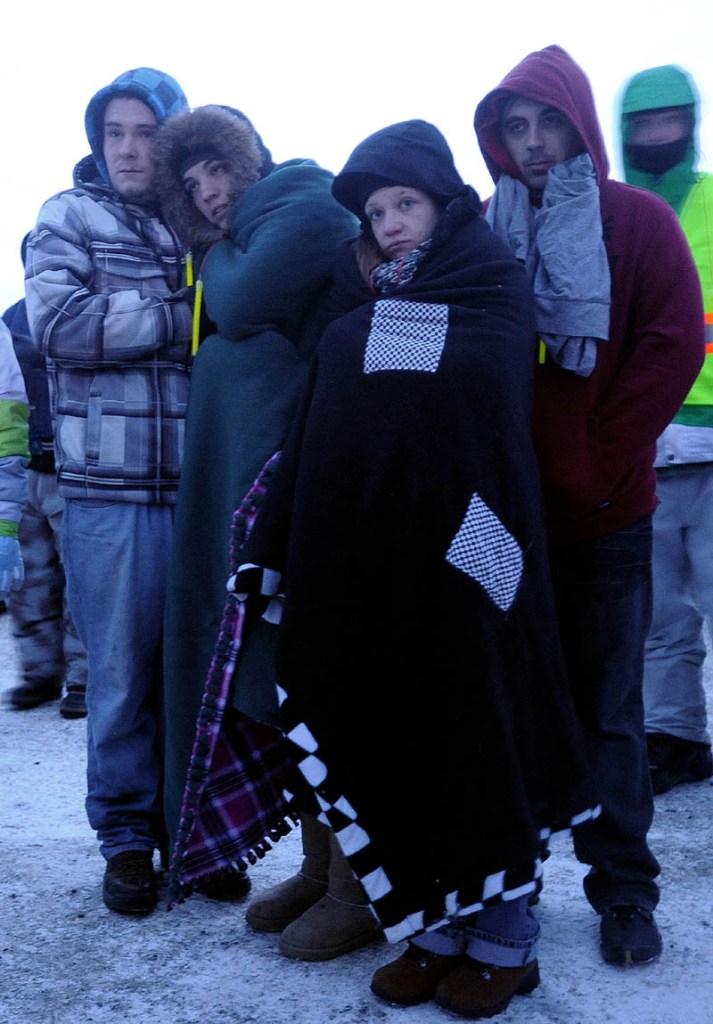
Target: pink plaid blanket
[(234, 804)]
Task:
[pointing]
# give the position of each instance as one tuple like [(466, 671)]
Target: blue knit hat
[(161, 94)]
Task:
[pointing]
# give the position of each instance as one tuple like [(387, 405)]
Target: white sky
[(314, 77)]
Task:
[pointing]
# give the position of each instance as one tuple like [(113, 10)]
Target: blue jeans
[(674, 695), (116, 561), (603, 595), (505, 935)]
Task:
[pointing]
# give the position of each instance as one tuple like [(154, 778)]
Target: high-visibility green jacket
[(697, 223), (689, 438)]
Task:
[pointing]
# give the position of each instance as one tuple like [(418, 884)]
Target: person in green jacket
[(14, 455), (263, 238), (659, 119)]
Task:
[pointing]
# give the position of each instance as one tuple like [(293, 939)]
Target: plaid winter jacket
[(104, 300)]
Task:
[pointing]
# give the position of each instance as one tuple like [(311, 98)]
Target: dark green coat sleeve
[(284, 234)]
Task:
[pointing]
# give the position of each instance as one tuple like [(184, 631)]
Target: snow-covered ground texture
[(65, 959)]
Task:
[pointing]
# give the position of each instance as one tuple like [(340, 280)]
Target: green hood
[(653, 89)]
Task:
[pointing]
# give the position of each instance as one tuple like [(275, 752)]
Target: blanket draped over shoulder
[(234, 801), (418, 650)]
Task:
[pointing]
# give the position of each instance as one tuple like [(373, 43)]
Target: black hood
[(412, 153)]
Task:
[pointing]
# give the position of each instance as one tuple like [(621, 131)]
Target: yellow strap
[(542, 352), (197, 315), (189, 269)]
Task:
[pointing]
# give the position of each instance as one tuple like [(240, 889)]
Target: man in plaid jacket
[(107, 306)]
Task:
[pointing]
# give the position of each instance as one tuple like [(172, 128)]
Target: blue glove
[(12, 571)]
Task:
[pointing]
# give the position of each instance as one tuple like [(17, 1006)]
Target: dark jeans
[(603, 595)]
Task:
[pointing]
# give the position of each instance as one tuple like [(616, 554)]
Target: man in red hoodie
[(619, 318)]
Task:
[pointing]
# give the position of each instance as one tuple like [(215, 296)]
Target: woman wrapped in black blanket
[(418, 652)]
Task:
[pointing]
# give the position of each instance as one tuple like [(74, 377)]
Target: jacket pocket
[(572, 468)]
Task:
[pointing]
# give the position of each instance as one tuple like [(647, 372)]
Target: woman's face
[(401, 218), (212, 187)]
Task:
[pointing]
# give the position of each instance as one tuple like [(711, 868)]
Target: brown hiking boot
[(476, 990), (130, 883), (414, 977)]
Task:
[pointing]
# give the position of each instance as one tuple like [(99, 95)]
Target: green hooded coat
[(262, 286)]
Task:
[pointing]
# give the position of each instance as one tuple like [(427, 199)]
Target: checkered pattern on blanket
[(332, 808)]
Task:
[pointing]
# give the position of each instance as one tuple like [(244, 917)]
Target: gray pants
[(46, 638), (674, 696)]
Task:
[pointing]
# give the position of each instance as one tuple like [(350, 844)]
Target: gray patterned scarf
[(563, 251)]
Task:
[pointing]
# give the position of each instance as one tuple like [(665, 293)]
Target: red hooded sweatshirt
[(596, 436)]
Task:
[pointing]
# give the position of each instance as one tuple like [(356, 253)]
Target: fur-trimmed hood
[(226, 132)]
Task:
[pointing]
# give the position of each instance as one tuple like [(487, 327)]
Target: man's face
[(658, 127), (129, 137), (537, 137)]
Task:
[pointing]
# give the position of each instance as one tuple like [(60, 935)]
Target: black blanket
[(418, 647)]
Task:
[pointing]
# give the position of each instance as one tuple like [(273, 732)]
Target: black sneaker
[(227, 887), (130, 883), (629, 936), (74, 702), (674, 761), (32, 693)]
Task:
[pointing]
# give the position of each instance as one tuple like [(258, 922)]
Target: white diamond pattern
[(488, 553)]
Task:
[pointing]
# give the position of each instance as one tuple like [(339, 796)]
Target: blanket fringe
[(179, 890)]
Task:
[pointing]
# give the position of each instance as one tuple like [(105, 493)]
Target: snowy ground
[(65, 959)]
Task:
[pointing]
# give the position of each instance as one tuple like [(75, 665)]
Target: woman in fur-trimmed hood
[(212, 132), (264, 237)]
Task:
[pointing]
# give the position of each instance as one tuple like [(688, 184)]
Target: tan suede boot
[(274, 909), (338, 923)]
